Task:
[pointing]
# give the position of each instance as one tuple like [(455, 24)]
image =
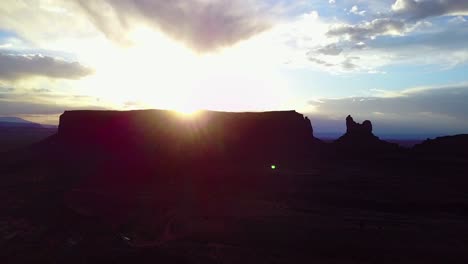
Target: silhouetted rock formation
[(449, 146), (353, 127), (267, 135), (359, 138), (213, 154)]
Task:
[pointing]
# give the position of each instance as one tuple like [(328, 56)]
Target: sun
[(187, 111), (174, 77)]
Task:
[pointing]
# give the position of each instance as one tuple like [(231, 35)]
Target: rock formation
[(355, 128), (209, 134), (447, 147), (359, 138), (214, 154)]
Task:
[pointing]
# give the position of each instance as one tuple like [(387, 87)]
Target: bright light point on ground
[(273, 167)]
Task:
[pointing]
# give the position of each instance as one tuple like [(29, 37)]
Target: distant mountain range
[(12, 121), (16, 132)]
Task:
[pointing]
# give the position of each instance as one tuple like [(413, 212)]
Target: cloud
[(9, 108), (423, 9), (204, 25), (20, 101), (43, 24), (368, 30), (330, 49), (348, 64), (431, 109), (345, 65), (320, 62), (13, 67), (41, 90), (457, 20), (403, 18), (443, 47), (355, 10), (444, 100), (6, 89), (402, 35)]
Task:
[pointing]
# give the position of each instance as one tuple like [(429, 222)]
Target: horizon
[(400, 63), (325, 130)]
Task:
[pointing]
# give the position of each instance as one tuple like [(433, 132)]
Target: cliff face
[(208, 134)]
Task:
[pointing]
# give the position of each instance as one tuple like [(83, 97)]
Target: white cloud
[(40, 24), (355, 10), (458, 20)]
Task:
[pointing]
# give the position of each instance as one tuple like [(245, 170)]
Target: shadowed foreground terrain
[(153, 186)]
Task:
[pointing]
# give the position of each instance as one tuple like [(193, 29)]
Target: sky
[(400, 63)]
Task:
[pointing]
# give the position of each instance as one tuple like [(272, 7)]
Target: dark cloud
[(41, 90), (14, 67), (204, 25), (449, 101), (320, 62), (20, 101), (348, 64), (445, 47), (447, 39), (421, 9), (331, 49), (367, 30)]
